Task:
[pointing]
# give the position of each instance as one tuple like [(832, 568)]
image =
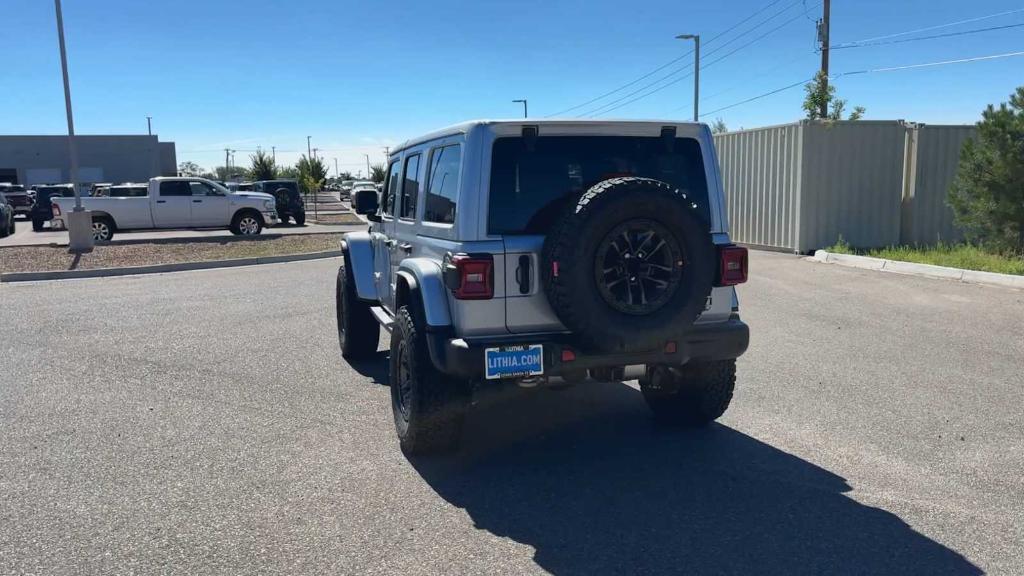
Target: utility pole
[(367, 165), (273, 153), (309, 153), (387, 152), (149, 125), (227, 163), (315, 150), (823, 38), (523, 102), (336, 173), (696, 72), (79, 221)]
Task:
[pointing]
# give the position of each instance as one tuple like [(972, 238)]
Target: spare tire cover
[(630, 266)]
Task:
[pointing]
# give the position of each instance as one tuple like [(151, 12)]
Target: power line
[(611, 105), (869, 71), (669, 63), (930, 28), (932, 37)]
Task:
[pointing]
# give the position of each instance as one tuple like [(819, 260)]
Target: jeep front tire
[(358, 331)]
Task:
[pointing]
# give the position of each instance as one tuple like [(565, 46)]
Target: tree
[(377, 172), (345, 175), (719, 127), (987, 195), (189, 169), (288, 172), (821, 91), (234, 172), (263, 167), (312, 173)]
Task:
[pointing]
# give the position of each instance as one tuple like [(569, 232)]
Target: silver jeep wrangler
[(540, 252)]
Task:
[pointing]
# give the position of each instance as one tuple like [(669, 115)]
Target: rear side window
[(442, 184), (410, 186), (175, 188), (531, 186), (392, 188), (127, 191)]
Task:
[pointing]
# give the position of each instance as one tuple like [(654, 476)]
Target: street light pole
[(273, 153), (336, 173), (367, 165), (309, 152), (149, 125), (79, 222), (523, 102), (696, 71)]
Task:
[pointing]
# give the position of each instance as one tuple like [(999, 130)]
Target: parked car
[(42, 208), (6, 215), (289, 201), (357, 186), (241, 186), (542, 253), (174, 203), (18, 197), (346, 189)]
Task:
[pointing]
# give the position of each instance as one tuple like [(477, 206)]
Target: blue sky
[(361, 75)]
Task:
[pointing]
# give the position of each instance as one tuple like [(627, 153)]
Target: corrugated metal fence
[(800, 186)]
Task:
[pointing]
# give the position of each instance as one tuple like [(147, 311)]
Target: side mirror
[(365, 202)]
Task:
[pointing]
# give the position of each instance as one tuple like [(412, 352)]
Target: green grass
[(964, 256)]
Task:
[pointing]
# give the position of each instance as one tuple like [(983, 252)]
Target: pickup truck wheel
[(300, 219), (630, 266), (37, 225), (247, 224), (694, 394), (102, 229), (358, 331), (428, 406)]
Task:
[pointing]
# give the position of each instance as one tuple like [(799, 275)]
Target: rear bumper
[(464, 357)]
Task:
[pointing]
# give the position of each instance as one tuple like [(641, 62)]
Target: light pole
[(309, 152), (696, 71), (79, 221), (149, 125), (273, 153), (523, 101), (367, 165), (336, 173)]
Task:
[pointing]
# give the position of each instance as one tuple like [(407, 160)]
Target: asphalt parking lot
[(204, 422)]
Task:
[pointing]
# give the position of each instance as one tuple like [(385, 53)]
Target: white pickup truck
[(174, 203)]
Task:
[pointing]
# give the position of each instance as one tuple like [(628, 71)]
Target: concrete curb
[(162, 268), (926, 270)]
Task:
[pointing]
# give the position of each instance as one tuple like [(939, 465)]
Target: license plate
[(514, 361)]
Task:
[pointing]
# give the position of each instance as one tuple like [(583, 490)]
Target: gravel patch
[(50, 258)]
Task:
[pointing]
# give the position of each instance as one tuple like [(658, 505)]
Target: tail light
[(732, 269), (56, 209), (470, 277)]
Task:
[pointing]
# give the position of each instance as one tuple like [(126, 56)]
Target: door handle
[(161, 201), (197, 201), (407, 247)]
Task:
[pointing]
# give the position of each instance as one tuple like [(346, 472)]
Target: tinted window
[(442, 184), (531, 187), (175, 188), (392, 189), (127, 191), (200, 189), (410, 186)]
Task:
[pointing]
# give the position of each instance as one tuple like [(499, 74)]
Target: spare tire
[(629, 266)]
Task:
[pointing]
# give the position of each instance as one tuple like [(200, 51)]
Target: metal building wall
[(927, 217), (852, 183), (761, 176)]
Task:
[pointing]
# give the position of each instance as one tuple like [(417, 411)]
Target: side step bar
[(387, 321)]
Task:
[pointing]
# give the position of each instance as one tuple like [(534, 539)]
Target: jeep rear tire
[(358, 330), (428, 406), (630, 267), (694, 394)]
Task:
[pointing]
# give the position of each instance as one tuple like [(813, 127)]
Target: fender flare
[(358, 252), (421, 277)]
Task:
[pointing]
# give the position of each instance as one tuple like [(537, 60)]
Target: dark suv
[(19, 198), (286, 194), (6, 215), (42, 210)]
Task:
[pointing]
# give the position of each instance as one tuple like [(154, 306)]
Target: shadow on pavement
[(374, 367), (585, 479)]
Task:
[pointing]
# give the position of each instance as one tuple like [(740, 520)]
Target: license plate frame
[(520, 361)]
